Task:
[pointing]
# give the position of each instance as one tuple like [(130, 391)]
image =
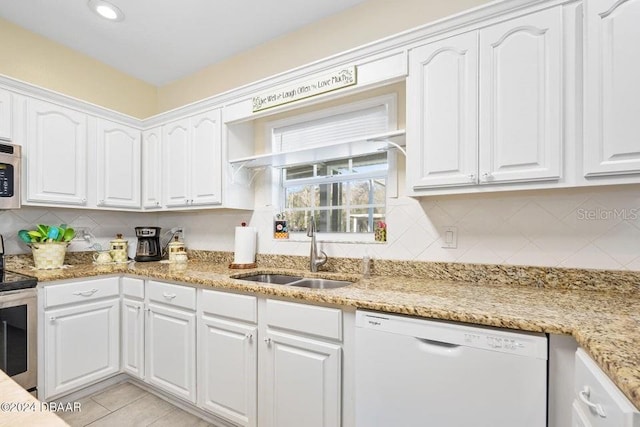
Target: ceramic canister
[(118, 248)]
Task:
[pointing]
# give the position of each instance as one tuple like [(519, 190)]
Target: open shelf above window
[(332, 151)]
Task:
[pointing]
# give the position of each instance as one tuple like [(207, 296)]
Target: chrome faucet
[(314, 260)]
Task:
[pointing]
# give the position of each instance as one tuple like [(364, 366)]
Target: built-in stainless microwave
[(10, 159)]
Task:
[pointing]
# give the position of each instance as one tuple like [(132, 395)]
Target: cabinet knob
[(248, 337), (168, 295), (157, 203), (101, 202), (52, 319), (472, 177), (268, 341), (487, 176), (84, 200)]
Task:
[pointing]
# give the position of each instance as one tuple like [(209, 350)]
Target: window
[(345, 195)]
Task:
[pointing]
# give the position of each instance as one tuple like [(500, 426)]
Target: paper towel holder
[(243, 266)]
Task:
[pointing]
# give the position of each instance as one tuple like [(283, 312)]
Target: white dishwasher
[(427, 373)]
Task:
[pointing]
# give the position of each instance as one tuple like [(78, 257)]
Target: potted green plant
[(48, 244)]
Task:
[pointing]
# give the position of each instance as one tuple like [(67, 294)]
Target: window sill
[(348, 238)]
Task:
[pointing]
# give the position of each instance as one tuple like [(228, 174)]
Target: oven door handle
[(3, 347), (86, 293)]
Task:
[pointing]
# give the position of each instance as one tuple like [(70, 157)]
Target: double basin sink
[(297, 281)]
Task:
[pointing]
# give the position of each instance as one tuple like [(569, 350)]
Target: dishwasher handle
[(438, 347)]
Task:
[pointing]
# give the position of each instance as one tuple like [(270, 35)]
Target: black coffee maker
[(148, 248)]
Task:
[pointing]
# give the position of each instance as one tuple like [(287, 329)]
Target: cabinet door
[(133, 337), (5, 115), (227, 370), (82, 345), (56, 156), (171, 350), (442, 122), (520, 99), (577, 417), (152, 168), (302, 382), (175, 163), (118, 165), (612, 93), (206, 166)]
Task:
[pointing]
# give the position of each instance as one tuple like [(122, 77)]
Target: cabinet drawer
[(133, 287), (321, 321), (593, 387), (233, 306), (175, 295), (89, 290)]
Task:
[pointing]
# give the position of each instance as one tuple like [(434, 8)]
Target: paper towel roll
[(245, 245)]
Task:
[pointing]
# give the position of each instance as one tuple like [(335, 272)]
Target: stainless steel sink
[(301, 282), (276, 279), (320, 283)]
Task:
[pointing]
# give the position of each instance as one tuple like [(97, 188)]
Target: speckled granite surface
[(601, 309)]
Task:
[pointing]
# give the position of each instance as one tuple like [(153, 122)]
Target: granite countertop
[(605, 322)]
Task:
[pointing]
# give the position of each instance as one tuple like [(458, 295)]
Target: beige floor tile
[(90, 411), (119, 395), (180, 418), (140, 413)]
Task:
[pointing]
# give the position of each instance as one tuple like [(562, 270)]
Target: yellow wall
[(34, 59), (367, 22)]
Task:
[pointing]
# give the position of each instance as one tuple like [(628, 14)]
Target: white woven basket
[(49, 255)]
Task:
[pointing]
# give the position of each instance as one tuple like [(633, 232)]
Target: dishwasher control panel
[(501, 340)]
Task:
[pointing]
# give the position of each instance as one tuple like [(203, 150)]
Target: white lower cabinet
[(228, 356), (227, 374), (248, 361), (132, 330), (597, 400), (171, 350), (133, 337), (81, 339), (301, 365), (302, 382)]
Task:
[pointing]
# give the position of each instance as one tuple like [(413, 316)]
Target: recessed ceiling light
[(106, 10)]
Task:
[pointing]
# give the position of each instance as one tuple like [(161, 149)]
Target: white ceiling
[(163, 40)]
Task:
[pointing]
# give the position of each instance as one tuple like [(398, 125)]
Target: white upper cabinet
[(175, 140), (485, 107), (192, 161), (5, 115), (118, 165), (152, 168), (612, 92), (56, 156), (442, 92), (206, 163), (521, 99)]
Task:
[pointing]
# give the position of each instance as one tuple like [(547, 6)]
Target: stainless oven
[(10, 159), (18, 323), (18, 356)]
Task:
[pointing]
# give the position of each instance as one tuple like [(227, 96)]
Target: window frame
[(347, 179), (390, 102)]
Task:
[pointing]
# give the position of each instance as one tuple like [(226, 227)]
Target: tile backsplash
[(582, 228)]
